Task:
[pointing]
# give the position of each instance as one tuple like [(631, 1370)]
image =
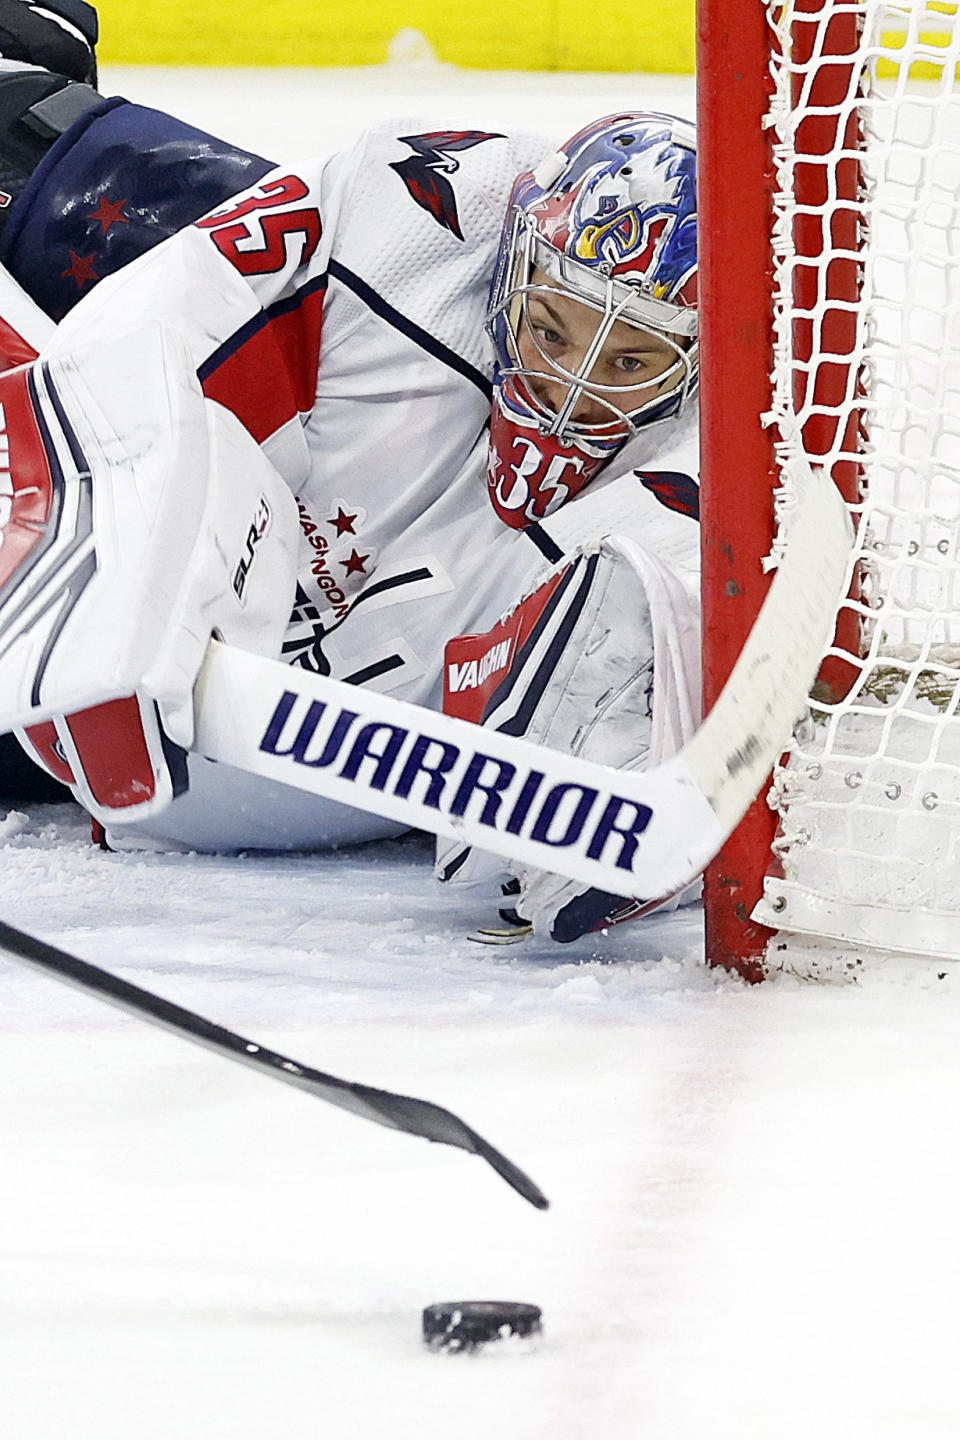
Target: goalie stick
[(641, 835), (397, 1112)]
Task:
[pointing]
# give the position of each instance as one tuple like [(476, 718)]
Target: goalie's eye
[(548, 336)]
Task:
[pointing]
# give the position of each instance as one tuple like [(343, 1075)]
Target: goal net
[(859, 859)]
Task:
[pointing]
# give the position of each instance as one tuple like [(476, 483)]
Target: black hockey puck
[(467, 1324)]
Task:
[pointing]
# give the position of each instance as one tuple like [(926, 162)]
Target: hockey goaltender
[(417, 415)]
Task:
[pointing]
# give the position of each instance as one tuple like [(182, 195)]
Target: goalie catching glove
[(136, 520), (593, 663)]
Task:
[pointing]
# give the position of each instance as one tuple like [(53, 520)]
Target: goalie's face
[(584, 368), (593, 308), (580, 379)]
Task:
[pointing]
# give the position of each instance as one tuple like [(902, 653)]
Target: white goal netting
[(867, 857)]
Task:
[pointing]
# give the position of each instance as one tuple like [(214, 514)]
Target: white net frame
[(867, 855)]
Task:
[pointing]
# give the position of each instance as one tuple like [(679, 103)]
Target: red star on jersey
[(356, 564), (108, 213), (343, 522), (81, 269)]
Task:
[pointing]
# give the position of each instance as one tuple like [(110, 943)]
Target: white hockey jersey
[(338, 310)]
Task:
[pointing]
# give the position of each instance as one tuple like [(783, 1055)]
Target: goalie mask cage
[(830, 300)]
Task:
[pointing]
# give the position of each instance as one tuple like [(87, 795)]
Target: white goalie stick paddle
[(641, 835)]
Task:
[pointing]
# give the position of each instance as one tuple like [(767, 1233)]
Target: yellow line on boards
[(483, 34)]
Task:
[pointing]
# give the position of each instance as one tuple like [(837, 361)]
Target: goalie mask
[(593, 308)]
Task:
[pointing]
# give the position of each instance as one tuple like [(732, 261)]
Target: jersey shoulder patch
[(424, 173)]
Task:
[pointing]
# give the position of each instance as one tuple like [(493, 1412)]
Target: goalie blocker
[(574, 667)]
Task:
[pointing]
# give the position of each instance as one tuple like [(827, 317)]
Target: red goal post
[(736, 328), (737, 49), (829, 199)]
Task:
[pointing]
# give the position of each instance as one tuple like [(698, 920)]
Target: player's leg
[(90, 182), (120, 553)]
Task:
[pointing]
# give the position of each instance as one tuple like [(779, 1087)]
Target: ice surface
[(753, 1231)]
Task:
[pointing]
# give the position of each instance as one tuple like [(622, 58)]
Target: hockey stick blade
[(397, 1112), (637, 834)]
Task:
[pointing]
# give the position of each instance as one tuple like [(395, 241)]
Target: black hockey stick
[(398, 1112)]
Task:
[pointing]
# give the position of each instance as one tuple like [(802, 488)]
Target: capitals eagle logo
[(424, 172)]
